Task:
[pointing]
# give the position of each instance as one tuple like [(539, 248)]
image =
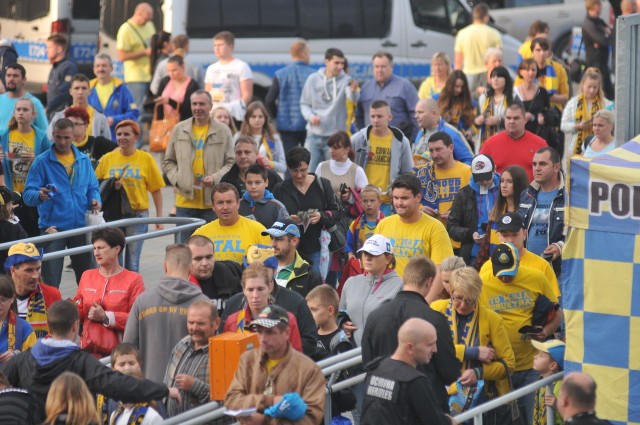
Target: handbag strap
[(506, 368)]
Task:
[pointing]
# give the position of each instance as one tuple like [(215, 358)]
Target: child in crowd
[(257, 202), (135, 413), (323, 302), (549, 361), (363, 227), (222, 115)]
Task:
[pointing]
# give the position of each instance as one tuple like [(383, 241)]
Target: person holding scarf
[(256, 125), (16, 334), (257, 286), (479, 335), (492, 106), (578, 115), (365, 292), (33, 297), (469, 214)]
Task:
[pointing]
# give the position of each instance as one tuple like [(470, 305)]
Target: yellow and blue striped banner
[(601, 279)]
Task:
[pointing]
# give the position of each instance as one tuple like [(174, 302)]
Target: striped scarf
[(549, 79), (488, 110), (241, 322), (469, 336), (102, 408), (137, 416), (269, 147), (12, 320), (37, 313), (583, 113)]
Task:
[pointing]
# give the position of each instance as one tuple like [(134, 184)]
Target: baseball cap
[(554, 347), (271, 316), (281, 228), (377, 245), (510, 222), (505, 260), (261, 254), (7, 196), (22, 253), (482, 167)]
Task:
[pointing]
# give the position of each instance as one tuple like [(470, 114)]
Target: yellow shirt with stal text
[(133, 38), (19, 143), (199, 137), (515, 302), (377, 169), (427, 237), (104, 92), (140, 176), (231, 242), (449, 182)]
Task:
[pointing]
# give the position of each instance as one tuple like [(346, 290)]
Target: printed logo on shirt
[(383, 388), (381, 156), (228, 246), (407, 248), (512, 301), (448, 189)]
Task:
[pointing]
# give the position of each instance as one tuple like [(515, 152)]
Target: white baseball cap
[(377, 245)]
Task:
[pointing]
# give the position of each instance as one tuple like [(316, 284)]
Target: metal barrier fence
[(181, 223)]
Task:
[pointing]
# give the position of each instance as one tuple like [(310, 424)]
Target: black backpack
[(8, 56)]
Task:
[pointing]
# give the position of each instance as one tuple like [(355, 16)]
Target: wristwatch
[(105, 321)]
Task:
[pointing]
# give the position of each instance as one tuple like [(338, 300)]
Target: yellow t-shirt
[(428, 88), (525, 49), (19, 143), (377, 169), (231, 242), (67, 161), (270, 364), (449, 182), (473, 41), (91, 113), (140, 176), (133, 38), (199, 137), (104, 92), (515, 302), (427, 237)]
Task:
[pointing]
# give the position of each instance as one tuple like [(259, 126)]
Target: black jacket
[(19, 407), (463, 221), (23, 371), (380, 339), (233, 177), (223, 283), (398, 394), (293, 303), (596, 42), (185, 106)]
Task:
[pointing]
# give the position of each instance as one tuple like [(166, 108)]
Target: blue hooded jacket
[(42, 143), (66, 209), (120, 106)]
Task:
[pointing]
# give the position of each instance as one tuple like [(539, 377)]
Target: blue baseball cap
[(554, 347), (281, 228)]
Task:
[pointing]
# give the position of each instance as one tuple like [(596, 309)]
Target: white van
[(28, 23), (411, 30)]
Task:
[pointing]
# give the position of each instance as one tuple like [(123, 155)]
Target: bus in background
[(412, 31), (28, 23)]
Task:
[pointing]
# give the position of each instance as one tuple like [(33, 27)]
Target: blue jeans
[(52, 269), (521, 379), (139, 91), (314, 261), (134, 249), (291, 139), (205, 214), (317, 146)]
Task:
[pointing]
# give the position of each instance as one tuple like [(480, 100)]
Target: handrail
[(342, 365), (339, 357), (182, 223), (193, 413), (507, 398)]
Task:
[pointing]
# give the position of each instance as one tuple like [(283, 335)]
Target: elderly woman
[(136, 171), (105, 295), (365, 292), (257, 287), (601, 141), (479, 335), (493, 58), (440, 69)]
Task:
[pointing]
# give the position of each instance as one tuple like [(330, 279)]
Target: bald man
[(395, 391), (430, 122), (577, 400)]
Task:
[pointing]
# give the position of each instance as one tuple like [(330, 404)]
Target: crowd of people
[(425, 226)]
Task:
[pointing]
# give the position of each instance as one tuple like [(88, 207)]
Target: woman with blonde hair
[(601, 142), (69, 402), (577, 115), (440, 69), (223, 116)]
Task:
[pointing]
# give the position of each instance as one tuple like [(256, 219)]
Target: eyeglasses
[(458, 299), (299, 170)]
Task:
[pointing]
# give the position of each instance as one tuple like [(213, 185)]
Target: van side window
[(310, 19), (503, 4), (438, 15), (86, 9), (24, 10)]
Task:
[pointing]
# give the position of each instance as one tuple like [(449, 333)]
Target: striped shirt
[(185, 359)]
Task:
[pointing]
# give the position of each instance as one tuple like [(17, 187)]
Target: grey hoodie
[(364, 293), (158, 320), (326, 98)]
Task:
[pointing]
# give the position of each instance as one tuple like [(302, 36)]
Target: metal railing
[(181, 223)]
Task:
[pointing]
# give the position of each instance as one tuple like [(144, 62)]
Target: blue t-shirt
[(538, 240)]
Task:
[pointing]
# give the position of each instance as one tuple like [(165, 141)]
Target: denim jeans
[(205, 214), (317, 146), (52, 269), (139, 91), (134, 249), (291, 139), (521, 379), (314, 261)]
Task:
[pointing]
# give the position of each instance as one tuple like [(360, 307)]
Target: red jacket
[(231, 325), (115, 294), (50, 294)]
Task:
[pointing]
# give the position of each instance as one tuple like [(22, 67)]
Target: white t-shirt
[(225, 85), (150, 418)]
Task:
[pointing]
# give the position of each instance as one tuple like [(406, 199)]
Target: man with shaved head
[(395, 391), (577, 400)]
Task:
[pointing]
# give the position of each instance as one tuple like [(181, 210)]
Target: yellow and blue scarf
[(37, 313)]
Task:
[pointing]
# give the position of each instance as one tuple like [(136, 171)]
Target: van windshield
[(24, 10), (86, 9)]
